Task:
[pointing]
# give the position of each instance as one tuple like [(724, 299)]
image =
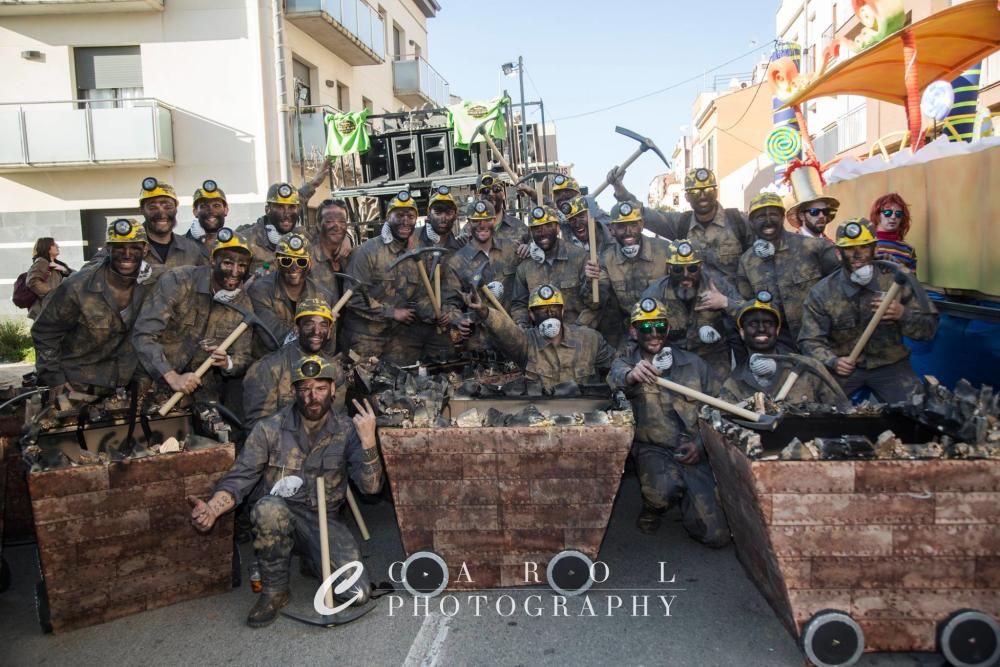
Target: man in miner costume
[(277, 470)]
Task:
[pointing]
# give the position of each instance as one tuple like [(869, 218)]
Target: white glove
[(864, 275), (663, 360), (432, 236), (536, 253), (145, 271), (496, 287), (762, 366), (550, 328), (273, 235), (630, 250), (708, 335), (286, 487), (763, 249), (292, 336), (197, 231), (227, 295), (386, 233)]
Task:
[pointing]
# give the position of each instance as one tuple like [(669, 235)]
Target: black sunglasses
[(888, 212), (690, 268), (647, 327), (496, 188), (286, 262), (817, 211)]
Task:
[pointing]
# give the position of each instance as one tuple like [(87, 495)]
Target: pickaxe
[(436, 273), (803, 364), (534, 176), (492, 144), (415, 253), (755, 420), (346, 296), (645, 144), (899, 279), (249, 319), (477, 278)]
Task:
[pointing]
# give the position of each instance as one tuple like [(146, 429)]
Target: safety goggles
[(287, 262), (815, 212), (888, 212), (699, 192), (677, 269), (649, 327)]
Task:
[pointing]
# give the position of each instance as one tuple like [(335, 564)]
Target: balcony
[(31, 7), (416, 83), (349, 28), (82, 133)]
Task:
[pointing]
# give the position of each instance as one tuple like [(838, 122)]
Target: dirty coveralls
[(368, 326), (280, 446), (511, 230), (799, 262), (436, 345), (582, 356), (177, 315), (182, 251), (662, 420), (276, 309), (267, 386), (808, 388), (625, 279), (685, 321), (722, 240), (836, 312), (83, 337), (563, 270)]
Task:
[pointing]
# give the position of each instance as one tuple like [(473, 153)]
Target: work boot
[(649, 519), (273, 596)]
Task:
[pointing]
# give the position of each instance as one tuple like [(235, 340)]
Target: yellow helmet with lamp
[(700, 178), (764, 301), (561, 182), (124, 230), (481, 210), (441, 194), (151, 187), (313, 306), (282, 193), (313, 367), (574, 207), (855, 232), (626, 212), (542, 215), (227, 239), (765, 200), (682, 252), (402, 200), (545, 295), (648, 310), (209, 190)]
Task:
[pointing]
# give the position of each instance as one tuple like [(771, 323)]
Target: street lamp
[(508, 69)]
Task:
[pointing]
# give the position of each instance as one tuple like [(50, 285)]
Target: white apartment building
[(99, 94)]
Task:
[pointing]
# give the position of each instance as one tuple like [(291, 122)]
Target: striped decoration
[(784, 117), (962, 117)]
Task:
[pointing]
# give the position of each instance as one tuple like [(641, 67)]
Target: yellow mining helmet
[(626, 212), (442, 195), (682, 252), (311, 306), (542, 215), (124, 230), (488, 181), (545, 295), (402, 200), (282, 193), (855, 232), (764, 301), (481, 210), (764, 200), (562, 183), (648, 310), (209, 190), (313, 367), (227, 238), (154, 188), (700, 178), (292, 244), (574, 207)]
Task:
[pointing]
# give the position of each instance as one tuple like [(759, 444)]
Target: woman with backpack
[(46, 272)]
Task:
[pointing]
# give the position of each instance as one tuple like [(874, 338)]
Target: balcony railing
[(415, 82), (852, 128), (30, 7), (82, 133), (349, 28)]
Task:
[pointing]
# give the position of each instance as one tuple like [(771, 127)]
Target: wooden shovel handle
[(595, 295), (866, 335), (710, 400)]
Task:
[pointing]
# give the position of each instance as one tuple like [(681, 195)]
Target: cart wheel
[(237, 566), (42, 608), (832, 639), (970, 638), (4, 575)]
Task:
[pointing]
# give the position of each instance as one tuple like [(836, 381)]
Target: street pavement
[(717, 618)]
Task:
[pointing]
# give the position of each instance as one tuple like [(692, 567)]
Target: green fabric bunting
[(467, 115), (346, 133)]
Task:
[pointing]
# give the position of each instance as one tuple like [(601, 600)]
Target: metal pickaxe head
[(535, 175), (904, 277), (355, 283), (416, 252), (646, 143), (436, 257), (477, 277), (227, 300), (801, 363), (763, 423)]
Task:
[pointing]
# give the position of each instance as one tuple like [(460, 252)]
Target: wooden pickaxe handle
[(495, 302), (324, 537), (356, 511), (205, 365), (503, 161), (866, 335), (425, 279), (437, 285), (709, 400), (341, 302), (595, 294), (787, 386), (624, 166)]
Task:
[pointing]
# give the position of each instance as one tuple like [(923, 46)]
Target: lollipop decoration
[(784, 144), (937, 100)]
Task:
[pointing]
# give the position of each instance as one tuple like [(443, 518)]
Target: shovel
[(352, 613), (754, 420)]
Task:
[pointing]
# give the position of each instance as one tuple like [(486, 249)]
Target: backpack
[(23, 297)]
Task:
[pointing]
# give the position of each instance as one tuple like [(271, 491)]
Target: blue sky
[(585, 55)]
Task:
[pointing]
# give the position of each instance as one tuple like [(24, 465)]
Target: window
[(398, 42), (302, 86), (109, 75), (708, 157), (343, 97)]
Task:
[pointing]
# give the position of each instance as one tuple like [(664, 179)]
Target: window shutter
[(108, 67)]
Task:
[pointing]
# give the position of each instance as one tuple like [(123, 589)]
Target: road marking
[(425, 651)]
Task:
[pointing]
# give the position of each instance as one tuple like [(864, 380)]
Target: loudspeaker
[(463, 162), (376, 162), (405, 158), (435, 154)]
